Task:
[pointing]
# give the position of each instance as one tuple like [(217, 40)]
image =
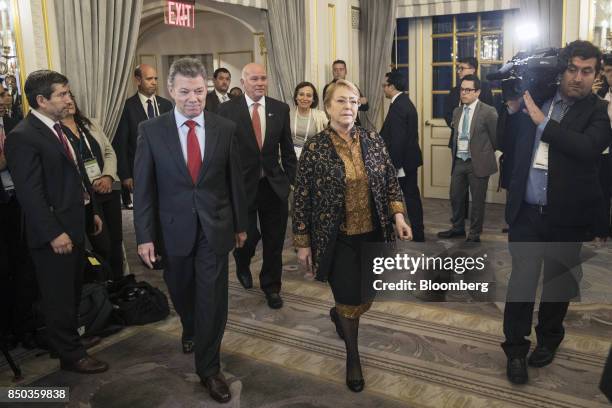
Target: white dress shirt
[(472, 107), (262, 114), (145, 105), (183, 130), (220, 96)]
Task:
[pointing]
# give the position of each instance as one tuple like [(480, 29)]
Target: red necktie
[(194, 155), (63, 141), (257, 125)]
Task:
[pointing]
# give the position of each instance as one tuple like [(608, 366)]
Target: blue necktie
[(150, 110), (464, 134)]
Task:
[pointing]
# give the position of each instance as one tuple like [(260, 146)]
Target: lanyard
[(295, 116)]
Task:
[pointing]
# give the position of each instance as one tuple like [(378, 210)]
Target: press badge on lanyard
[(93, 169), (541, 158)]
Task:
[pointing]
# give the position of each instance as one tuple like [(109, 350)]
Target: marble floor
[(414, 353)]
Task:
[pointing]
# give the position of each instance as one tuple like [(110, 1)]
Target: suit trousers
[(109, 242), (198, 285), (463, 181), (60, 280), (412, 197), (558, 251), (272, 212)]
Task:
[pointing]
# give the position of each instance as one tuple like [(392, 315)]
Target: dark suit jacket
[(400, 132), (278, 137), (213, 102), (49, 186), (126, 136), (483, 138), (452, 101), (575, 146), (162, 183), (9, 124)]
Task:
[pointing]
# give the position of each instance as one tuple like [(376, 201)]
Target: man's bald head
[(146, 79), (254, 80)]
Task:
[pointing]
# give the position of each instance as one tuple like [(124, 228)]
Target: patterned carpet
[(415, 354)]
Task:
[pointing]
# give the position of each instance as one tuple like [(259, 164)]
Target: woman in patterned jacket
[(346, 193)]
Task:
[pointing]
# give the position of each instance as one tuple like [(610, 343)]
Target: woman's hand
[(402, 230), (305, 258)]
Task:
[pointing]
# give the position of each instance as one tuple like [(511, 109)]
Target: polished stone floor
[(415, 353)]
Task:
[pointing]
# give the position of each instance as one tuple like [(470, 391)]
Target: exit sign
[(180, 13)]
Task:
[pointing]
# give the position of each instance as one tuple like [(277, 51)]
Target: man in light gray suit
[(473, 148)]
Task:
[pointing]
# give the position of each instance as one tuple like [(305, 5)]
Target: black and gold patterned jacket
[(319, 196)]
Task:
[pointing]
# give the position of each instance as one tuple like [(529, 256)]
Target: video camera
[(536, 72)]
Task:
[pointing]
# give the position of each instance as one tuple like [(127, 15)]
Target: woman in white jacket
[(306, 119)]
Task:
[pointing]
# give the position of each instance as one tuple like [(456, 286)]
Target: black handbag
[(140, 303)]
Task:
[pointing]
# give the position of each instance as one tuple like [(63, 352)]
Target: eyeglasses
[(461, 69), (467, 90)]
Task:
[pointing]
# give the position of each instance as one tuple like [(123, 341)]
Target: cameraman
[(553, 190)]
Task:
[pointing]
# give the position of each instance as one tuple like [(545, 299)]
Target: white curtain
[(547, 15), (284, 31), (376, 27), (97, 43)]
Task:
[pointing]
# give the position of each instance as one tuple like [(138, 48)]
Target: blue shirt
[(183, 129), (537, 181)]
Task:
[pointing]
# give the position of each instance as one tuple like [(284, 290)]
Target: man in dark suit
[(603, 229), (473, 153), (54, 191), (142, 106), (263, 131), (400, 132), (221, 80), (187, 172), (552, 194)]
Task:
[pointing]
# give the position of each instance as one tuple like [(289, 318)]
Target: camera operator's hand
[(514, 105), (537, 116)]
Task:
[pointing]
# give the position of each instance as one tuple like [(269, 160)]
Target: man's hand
[(514, 104), (305, 258), (97, 224), (62, 244), (240, 239), (129, 184), (402, 230), (363, 100), (537, 116), (597, 84), (146, 252), (103, 185)]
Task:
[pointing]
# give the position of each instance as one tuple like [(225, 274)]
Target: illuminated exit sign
[(180, 13)]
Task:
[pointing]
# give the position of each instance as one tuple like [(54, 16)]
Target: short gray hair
[(187, 67)]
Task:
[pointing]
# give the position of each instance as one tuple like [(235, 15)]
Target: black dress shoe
[(516, 370), (472, 239), (86, 365), (217, 388), (451, 233), (333, 313), (355, 385), (274, 300), (541, 356), (246, 280), (188, 346)]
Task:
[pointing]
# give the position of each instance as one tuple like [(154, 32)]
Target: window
[(399, 53), (477, 35)]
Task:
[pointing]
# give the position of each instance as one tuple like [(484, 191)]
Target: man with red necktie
[(187, 173), (268, 166)]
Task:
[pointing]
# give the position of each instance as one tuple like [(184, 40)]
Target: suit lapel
[(138, 108), (270, 117), (49, 135), (474, 119), (211, 137), (173, 142)]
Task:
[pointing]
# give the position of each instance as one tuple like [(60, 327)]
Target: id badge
[(463, 145), (541, 158), (93, 169)]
